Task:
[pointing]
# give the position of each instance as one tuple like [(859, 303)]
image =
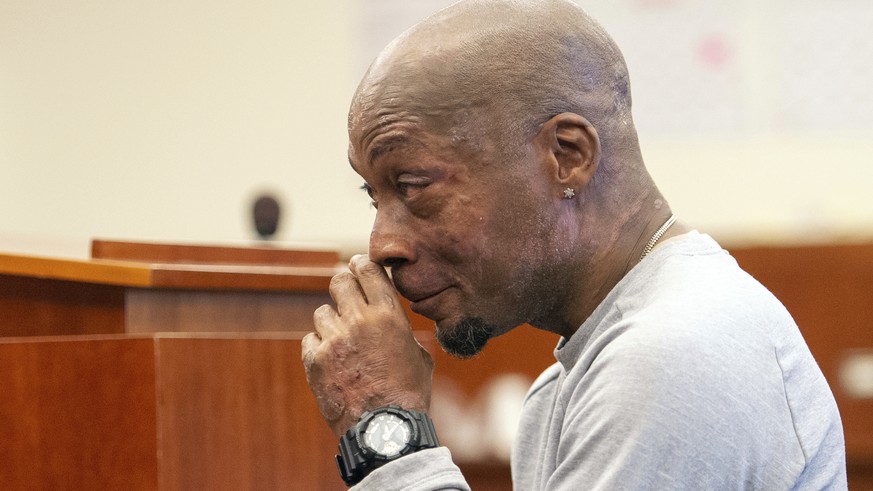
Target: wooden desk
[(110, 380), (48, 296), (161, 411)]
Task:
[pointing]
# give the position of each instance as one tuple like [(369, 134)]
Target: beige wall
[(160, 120)]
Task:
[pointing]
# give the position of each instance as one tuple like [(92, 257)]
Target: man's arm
[(363, 356)]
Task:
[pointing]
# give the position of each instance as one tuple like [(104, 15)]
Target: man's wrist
[(383, 435)]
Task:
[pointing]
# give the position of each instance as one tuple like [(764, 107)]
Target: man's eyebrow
[(385, 145)]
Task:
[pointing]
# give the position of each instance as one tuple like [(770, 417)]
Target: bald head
[(502, 68), (496, 141)]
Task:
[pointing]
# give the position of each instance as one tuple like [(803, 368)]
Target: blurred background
[(165, 121)]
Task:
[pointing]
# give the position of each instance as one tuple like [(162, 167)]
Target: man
[(496, 141)]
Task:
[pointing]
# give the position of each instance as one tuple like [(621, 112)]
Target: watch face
[(387, 434)]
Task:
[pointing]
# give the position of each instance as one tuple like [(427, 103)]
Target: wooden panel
[(236, 277), (860, 475), (205, 254), (39, 307), (237, 414), (186, 276), (150, 310), (48, 296), (167, 412), (103, 272), (77, 415)]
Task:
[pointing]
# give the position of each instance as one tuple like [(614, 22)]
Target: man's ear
[(573, 149)]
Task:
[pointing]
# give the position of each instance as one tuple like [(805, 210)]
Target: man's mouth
[(422, 300), (426, 304), (425, 292)]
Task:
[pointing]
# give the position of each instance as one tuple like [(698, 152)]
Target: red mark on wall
[(714, 51)]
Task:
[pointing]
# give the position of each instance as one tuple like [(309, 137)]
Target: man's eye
[(369, 190), (411, 187)]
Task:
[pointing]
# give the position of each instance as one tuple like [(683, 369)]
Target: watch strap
[(356, 461)]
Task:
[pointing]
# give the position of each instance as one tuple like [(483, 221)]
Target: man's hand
[(362, 354)]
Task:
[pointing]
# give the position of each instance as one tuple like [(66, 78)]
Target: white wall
[(756, 118), (160, 120)]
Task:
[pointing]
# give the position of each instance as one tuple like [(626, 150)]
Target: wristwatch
[(383, 435)]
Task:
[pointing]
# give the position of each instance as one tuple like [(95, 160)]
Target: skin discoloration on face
[(466, 137), (450, 130), (451, 221)]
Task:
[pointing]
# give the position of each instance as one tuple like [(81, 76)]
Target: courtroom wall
[(157, 121)]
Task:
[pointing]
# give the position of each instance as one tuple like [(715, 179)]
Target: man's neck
[(599, 273)]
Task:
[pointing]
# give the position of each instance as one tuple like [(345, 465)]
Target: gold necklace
[(658, 233)]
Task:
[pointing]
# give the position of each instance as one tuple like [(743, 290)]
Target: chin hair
[(465, 339)]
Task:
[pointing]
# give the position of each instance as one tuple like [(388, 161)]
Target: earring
[(569, 193)]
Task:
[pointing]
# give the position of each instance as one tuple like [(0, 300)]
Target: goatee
[(466, 339)]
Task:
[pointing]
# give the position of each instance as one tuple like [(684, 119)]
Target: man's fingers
[(324, 319), (346, 292), (373, 280), (309, 344)]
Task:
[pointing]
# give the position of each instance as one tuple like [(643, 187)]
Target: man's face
[(458, 227)]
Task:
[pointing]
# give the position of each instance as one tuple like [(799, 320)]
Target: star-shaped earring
[(569, 193)]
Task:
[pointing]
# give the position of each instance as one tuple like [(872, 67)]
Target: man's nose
[(391, 241)]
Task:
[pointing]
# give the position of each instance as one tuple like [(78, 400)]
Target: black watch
[(383, 435)]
